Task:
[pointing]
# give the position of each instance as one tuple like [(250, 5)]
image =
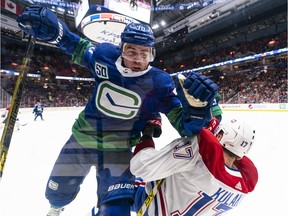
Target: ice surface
[(34, 149)]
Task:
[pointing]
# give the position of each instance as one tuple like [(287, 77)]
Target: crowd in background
[(260, 81), (202, 54), (265, 86)]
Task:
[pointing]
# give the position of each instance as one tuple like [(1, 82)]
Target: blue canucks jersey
[(38, 109), (122, 101)]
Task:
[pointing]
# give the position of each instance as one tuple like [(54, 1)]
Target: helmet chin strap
[(122, 61)]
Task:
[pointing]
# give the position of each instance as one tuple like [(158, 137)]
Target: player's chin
[(137, 69)]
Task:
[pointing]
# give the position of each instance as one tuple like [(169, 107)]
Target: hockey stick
[(150, 197), (14, 106)]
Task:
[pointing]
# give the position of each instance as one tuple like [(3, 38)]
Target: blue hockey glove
[(42, 23), (153, 126), (196, 93)]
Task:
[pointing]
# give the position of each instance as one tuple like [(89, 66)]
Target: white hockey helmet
[(236, 136)]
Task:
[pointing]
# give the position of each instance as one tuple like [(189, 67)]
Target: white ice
[(34, 149)]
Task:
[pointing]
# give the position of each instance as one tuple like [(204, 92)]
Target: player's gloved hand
[(213, 125), (153, 126), (42, 23), (197, 89), (196, 93)]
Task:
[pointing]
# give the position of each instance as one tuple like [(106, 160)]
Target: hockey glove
[(196, 93), (43, 24), (153, 126)]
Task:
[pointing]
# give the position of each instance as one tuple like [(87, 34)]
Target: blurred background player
[(4, 116), (17, 122), (128, 93), (38, 110), (205, 174), (133, 5)]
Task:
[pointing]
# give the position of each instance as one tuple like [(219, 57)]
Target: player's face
[(136, 57)]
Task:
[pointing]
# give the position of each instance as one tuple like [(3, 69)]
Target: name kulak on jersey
[(227, 198)]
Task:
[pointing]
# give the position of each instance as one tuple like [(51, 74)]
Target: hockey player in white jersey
[(204, 174), (4, 116)]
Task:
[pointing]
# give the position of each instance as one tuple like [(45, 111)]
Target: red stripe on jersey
[(248, 171), (212, 155), (144, 143), (163, 209), (140, 183)]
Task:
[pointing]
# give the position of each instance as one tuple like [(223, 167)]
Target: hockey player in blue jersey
[(127, 94), (38, 110)]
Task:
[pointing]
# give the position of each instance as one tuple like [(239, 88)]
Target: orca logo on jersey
[(53, 185), (116, 101)]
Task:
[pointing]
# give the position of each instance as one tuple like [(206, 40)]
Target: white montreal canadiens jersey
[(197, 182)]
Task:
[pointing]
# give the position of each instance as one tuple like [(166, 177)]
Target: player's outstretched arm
[(43, 24), (196, 93)]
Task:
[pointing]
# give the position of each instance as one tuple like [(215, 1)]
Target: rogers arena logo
[(121, 18), (99, 17)]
